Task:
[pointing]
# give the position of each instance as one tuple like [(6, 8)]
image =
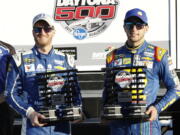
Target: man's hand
[(152, 112), (34, 117)]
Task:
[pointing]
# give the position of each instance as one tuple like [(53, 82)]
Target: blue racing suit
[(158, 67), (6, 112), (4, 52), (22, 86)]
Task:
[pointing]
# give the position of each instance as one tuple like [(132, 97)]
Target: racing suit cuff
[(29, 111), (158, 108)]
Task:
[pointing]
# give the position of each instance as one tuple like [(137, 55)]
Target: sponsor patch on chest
[(29, 67)]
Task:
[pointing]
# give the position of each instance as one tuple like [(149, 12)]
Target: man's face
[(135, 29), (43, 33)]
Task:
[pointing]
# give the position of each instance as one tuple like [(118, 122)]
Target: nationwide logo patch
[(56, 83), (85, 18), (123, 79)]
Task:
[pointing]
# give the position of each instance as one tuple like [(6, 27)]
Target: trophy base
[(117, 112), (68, 114)]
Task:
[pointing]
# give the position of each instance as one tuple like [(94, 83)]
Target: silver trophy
[(124, 88), (58, 91)]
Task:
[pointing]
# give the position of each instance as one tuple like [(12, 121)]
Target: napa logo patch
[(85, 18)]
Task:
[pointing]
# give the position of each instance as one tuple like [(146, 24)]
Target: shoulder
[(159, 53), (26, 53), (20, 56), (7, 47), (69, 58), (111, 54), (3, 50)]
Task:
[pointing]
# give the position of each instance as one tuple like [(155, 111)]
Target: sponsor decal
[(110, 57), (150, 46), (146, 58), (59, 62), (140, 13), (119, 56), (148, 64), (123, 79), (40, 67), (68, 50), (134, 51), (85, 18), (159, 53), (118, 62), (80, 33), (109, 49), (29, 67), (9, 67), (126, 61), (170, 62), (49, 67), (29, 60), (59, 68), (149, 54), (56, 83)]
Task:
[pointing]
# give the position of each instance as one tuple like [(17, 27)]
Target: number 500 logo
[(85, 18)]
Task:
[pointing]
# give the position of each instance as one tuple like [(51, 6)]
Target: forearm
[(169, 98)]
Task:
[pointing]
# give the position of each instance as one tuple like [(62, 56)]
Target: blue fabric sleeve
[(171, 82)]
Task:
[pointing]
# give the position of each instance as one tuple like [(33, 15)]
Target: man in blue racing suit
[(138, 52), (22, 86), (6, 112), (5, 51)]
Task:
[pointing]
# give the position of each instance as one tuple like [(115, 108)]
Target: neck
[(134, 45), (44, 49)]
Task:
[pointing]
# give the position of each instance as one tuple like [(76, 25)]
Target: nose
[(133, 27), (42, 31)]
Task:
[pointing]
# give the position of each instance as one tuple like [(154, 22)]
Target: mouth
[(41, 36), (133, 34)]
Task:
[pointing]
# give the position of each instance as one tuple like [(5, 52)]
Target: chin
[(134, 40), (42, 44)]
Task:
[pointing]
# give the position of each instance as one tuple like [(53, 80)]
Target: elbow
[(178, 91)]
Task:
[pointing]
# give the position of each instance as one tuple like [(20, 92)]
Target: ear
[(54, 32), (147, 28), (124, 28), (33, 32)]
